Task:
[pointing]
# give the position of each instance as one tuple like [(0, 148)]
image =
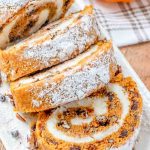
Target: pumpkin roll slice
[(22, 18), (52, 45), (108, 119), (70, 81)]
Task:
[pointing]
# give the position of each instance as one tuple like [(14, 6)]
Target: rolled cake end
[(108, 119)]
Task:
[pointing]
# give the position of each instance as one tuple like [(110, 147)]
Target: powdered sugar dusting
[(8, 7), (11, 6), (64, 45), (17, 4), (57, 69), (78, 82), (36, 103), (13, 2)]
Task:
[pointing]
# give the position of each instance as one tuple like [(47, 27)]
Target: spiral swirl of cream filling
[(100, 107), (42, 18)]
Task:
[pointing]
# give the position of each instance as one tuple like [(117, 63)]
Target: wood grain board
[(139, 58)]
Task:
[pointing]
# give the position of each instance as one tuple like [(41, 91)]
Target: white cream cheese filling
[(4, 35), (43, 16), (53, 120), (59, 12), (80, 121)]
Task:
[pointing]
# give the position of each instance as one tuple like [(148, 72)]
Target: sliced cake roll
[(56, 43), (70, 81), (21, 18), (108, 119)]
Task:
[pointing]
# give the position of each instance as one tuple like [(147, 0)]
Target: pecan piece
[(20, 117), (119, 70), (92, 147), (102, 120), (134, 105), (75, 148), (64, 124), (110, 96), (123, 134)]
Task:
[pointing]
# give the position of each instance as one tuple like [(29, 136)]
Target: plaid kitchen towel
[(126, 23)]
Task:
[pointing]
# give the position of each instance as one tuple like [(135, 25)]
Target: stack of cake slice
[(70, 77)]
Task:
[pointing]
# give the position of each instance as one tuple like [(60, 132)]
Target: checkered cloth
[(126, 23)]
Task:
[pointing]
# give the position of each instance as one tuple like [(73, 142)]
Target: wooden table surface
[(139, 58)]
